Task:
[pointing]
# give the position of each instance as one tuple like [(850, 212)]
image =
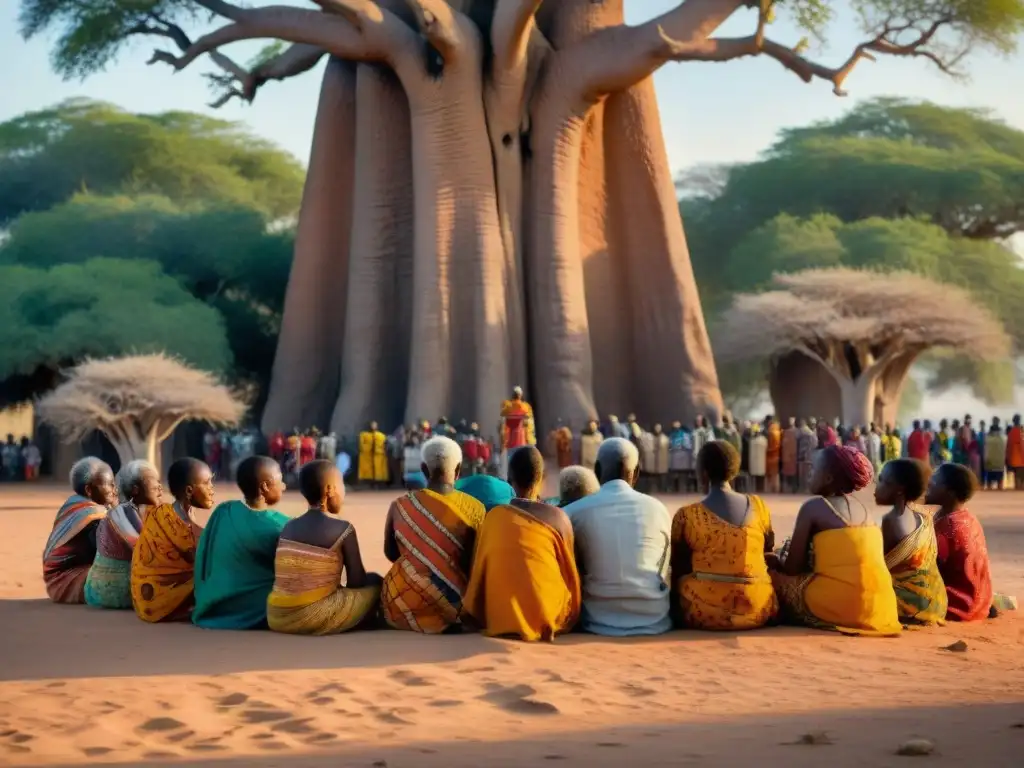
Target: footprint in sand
[(637, 691), (321, 738), (159, 755), (232, 700), (518, 700), (409, 679), (206, 748), (329, 688), (158, 724), (96, 751), (444, 703), (174, 738), (298, 726), (391, 718), (322, 700), (257, 716)]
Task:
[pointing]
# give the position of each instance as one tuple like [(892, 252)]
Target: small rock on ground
[(916, 748)]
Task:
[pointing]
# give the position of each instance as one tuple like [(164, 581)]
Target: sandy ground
[(83, 685)]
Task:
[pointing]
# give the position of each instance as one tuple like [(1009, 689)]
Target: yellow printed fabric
[(524, 580), (850, 590), (435, 534), (307, 598), (366, 456), (163, 566), (380, 457), (920, 593), (729, 587)]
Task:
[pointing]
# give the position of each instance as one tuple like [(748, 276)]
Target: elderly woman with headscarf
[(833, 575), (109, 584), (71, 547)]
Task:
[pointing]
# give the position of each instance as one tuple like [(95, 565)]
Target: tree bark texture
[(490, 205)]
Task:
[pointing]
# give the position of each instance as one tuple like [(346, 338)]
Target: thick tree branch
[(296, 25), (438, 23), (511, 30), (294, 61)]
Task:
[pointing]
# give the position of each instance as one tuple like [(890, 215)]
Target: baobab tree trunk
[(889, 388), (304, 383), (375, 354), (858, 400)]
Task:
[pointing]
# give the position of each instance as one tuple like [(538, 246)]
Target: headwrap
[(851, 469), (488, 490)]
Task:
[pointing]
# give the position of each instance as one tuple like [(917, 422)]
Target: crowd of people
[(482, 553), (19, 460)]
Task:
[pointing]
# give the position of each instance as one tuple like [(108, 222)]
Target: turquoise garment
[(235, 567), (114, 589), (488, 490)]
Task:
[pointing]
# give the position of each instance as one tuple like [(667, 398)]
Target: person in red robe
[(962, 551), (276, 445), (919, 444), (307, 447)]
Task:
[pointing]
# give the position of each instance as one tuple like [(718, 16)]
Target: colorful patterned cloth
[(517, 424), (920, 593), (850, 590), (964, 565), (307, 598), (729, 587), (524, 580), (110, 579), (70, 551), (435, 534), (163, 565), (235, 566)]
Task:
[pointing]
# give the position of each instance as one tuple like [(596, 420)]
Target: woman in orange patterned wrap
[(719, 576)]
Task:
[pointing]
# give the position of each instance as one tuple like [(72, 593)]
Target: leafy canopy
[(82, 145), (52, 318), (224, 256), (991, 272)]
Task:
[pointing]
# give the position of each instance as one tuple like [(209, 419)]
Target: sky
[(711, 112)]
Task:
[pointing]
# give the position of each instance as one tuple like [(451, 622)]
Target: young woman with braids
[(841, 583)]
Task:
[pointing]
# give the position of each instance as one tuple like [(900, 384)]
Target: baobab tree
[(540, 241), (863, 330), (136, 402)]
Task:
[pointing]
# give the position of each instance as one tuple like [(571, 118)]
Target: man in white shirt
[(622, 549)]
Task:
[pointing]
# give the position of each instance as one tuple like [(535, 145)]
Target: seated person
[(429, 537), (575, 483), (719, 576), (911, 550), (489, 491), (110, 579), (314, 549), (622, 549), (844, 585), (235, 556), (164, 556), (962, 551), (524, 581), (71, 547)]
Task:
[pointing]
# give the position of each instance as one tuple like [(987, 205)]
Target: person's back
[(524, 581), (622, 541), (313, 551), (235, 556), (719, 573)]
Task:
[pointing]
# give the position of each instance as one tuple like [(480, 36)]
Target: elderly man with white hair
[(622, 544), (71, 547), (575, 483), (429, 537)]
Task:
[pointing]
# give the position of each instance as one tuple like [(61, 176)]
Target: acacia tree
[(540, 239), (136, 402), (862, 329)]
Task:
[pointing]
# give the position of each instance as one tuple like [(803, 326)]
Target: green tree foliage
[(223, 255), (960, 169), (51, 318), (81, 145), (989, 270)]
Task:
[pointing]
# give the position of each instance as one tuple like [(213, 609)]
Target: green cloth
[(488, 490), (235, 567)]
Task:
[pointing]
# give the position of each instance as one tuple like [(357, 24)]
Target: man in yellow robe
[(524, 582), (373, 458), (516, 428)]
